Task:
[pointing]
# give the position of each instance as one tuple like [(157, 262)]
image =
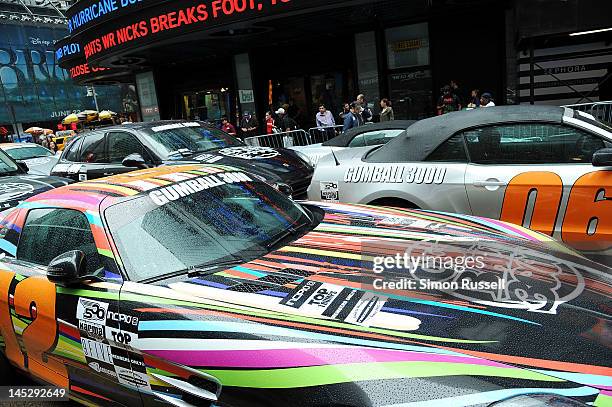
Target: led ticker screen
[(112, 28)]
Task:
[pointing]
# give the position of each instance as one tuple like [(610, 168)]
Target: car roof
[(423, 137), (141, 126), (344, 139), (87, 196)]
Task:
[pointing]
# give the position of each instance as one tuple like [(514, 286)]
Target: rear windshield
[(25, 153), (174, 143)]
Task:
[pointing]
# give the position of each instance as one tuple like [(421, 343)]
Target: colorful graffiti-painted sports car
[(201, 285)]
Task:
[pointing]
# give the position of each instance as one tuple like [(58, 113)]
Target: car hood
[(17, 188), (274, 164), (41, 165), (307, 317)]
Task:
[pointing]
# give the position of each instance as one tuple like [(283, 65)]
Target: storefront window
[(407, 46)]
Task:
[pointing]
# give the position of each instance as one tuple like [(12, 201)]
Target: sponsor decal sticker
[(250, 153), (182, 189), (92, 311), (208, 158), (395, 174), (97, 350), (329, 191), (132, 378), (93, 331), (317, 299)]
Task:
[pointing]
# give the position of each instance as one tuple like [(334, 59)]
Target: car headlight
[(305, 158), (539, 400)]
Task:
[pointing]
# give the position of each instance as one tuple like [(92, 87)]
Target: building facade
[(203, 59), (34, 90)]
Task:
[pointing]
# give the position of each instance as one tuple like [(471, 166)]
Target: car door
[(121, 144), (538, 175), (86, 159), (63, 335)]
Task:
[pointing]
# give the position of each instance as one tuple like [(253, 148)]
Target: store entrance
[(301, 96), (207, 105)]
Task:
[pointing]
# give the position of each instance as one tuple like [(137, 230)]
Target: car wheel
[(394, 202)]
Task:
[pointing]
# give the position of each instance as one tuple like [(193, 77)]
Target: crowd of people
[(353, 114), (452, 100)]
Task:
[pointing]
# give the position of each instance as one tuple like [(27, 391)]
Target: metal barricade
[(285, 139), (600, 110), (322, 134)]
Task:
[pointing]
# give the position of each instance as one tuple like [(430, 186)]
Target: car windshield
[(7, 165), (204, 221), (173, 143), (24, 153)]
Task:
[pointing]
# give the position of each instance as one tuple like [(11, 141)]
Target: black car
[(118, 149), (17, 185)]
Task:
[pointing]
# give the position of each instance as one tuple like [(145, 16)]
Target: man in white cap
[(285, 122)]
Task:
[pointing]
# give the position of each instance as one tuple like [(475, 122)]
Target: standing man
[(325, 122), (285, 122), (249, 125), (350, 119), (448, 102), (366, 112), (227, 127)]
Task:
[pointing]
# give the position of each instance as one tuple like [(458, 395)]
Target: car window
[(375, 138), (7, 165), (47, 233), (122, 144), (92, 150), (71, 152), (531, 143), (25, 153), (452, 150)]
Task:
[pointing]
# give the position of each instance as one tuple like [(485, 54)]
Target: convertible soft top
[(423, 137), (344, 139)]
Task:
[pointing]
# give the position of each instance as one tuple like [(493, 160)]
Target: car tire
[(394, 203)]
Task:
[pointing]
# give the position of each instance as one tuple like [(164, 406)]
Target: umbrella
[(47, 132), (88, 115), (106, 114), (71, 118), (34, 130)]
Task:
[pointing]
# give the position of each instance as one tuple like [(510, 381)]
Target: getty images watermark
[(419, 268)]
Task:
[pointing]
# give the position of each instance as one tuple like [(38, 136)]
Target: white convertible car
[(546, 168)]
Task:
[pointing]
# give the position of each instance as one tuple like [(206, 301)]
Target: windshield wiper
[(285, 234), (211, 268)]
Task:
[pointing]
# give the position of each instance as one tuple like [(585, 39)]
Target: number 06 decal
[(35, 299), (587, 223)]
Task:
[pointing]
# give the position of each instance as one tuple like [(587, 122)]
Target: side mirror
[(134, 160), (284, 189), (23, 166), (67, 269), (602, 158)]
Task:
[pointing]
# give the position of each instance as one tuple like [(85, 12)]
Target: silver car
[(363, 136), (546, 168), (40, 160)]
